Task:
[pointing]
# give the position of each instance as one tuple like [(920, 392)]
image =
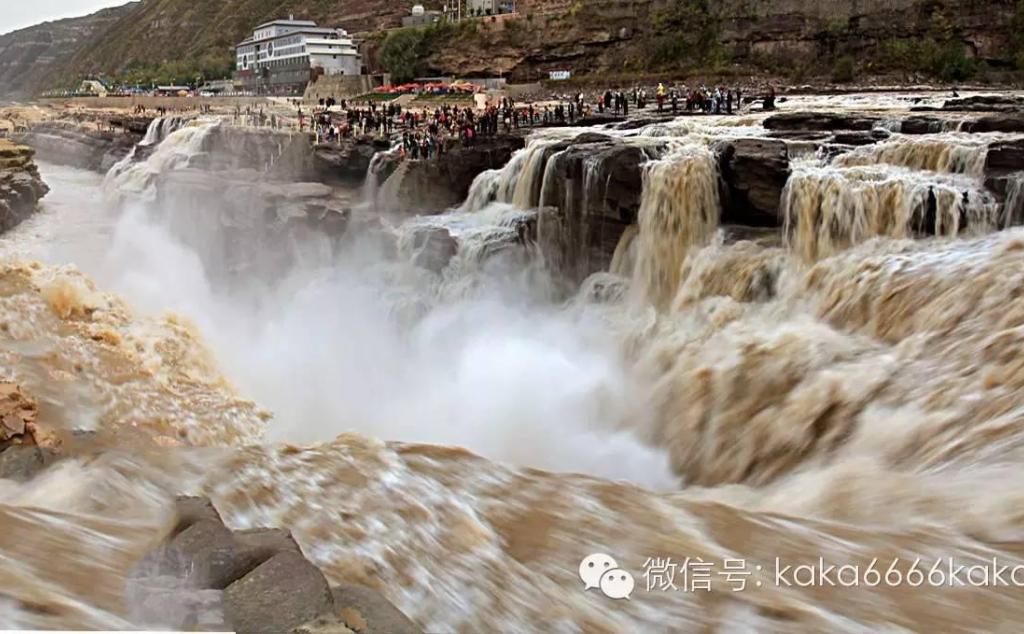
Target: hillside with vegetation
[(33, 58), (173, 41), (839, 41)]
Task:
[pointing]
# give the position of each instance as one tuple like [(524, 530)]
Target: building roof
[(305, 31), (287, 23)]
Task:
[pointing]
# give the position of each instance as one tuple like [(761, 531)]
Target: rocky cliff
[(20, 185), (840, 39), (799, 38), (157, 36), (32, 58)]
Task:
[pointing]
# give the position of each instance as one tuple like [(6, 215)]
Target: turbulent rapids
[(456, 409)]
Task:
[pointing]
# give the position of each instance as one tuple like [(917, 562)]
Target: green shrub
[(952, 64), (844, 70)]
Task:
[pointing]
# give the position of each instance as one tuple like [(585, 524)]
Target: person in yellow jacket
[(660, 95)]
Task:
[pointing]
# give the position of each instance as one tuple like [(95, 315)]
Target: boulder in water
[(1009, 123), (281, 594), (821, 121), (919, 124), (1005, 157)]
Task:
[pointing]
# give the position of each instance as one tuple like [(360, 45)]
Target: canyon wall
[(20, 185), (597, 36), (31, 59), (803, 37)]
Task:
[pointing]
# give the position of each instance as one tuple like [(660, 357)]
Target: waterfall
[(483, 191), (160, 128), (174, 152), (380, 161), (679, 209), (157, 131), (1013, 208), (827, 209), (518, 183), (947, 153)]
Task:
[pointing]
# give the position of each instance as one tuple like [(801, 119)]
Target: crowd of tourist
[(430, 132)]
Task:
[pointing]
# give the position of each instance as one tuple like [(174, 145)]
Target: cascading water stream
[(827, 209), (520, 182), (1013, 208), (175, 151), (379, 162), (959, 154), (679, 211), (830, 411)]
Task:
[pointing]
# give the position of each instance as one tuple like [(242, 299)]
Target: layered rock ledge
[(21, 188), (91, 146)]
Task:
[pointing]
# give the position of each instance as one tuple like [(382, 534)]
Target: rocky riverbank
[(21, 188), (95, 146)]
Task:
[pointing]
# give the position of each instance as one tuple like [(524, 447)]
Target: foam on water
[(851, 394)]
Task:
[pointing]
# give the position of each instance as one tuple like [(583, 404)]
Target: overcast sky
[(17, 14)]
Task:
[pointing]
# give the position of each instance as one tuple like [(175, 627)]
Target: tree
[(402, 53)]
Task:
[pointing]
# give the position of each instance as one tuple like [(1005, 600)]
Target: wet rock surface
[(593, 194), (820, 122), (753, 173), (346, 161), (434, 248), (90, 146), (21, 188), (434, 185), (205, 575), (258, 581), (995, 123), (1005, 157), (985, 103)]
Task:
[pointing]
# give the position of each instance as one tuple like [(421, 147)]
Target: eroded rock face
[(921, 124), (88, 146), (434, 248), (1012, 123), (21, 188), (276, 154), (1005, 157), (820, 122), (753, 174), (985, 103), (347, 161), (592, 194), (435, 185)]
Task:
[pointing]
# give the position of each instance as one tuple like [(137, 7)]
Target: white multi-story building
[(283, 54)]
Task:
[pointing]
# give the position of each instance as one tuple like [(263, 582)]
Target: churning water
[(844, 392)]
